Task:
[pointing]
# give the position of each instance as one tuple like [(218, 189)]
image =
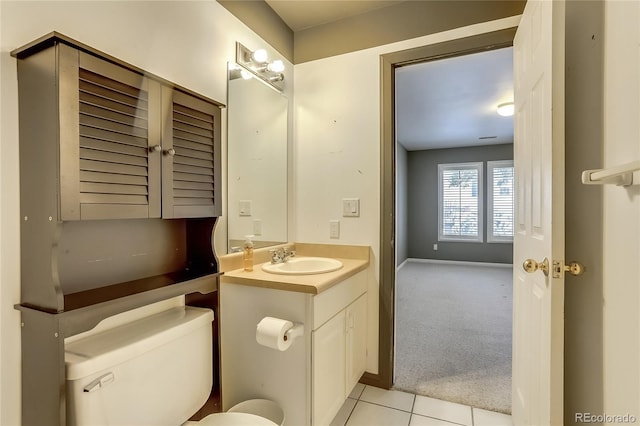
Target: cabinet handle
[(170, 152), (155, 148)]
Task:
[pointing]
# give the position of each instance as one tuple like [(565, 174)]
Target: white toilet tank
[(152, 371)]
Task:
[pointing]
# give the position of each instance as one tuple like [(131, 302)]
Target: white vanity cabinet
[(329, 369), (338, 359), (312, 379)]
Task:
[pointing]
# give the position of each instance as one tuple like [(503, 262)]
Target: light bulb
[(246, 75), (276, 66), (259, 55)]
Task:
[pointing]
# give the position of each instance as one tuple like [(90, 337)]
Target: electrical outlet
[(334, 229), (435, 247), (257, 227)]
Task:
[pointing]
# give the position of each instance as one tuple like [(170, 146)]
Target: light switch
[(350, 207), (334, 229), (244, 207)]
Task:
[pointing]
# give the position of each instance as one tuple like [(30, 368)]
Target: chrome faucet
[(281, 255)]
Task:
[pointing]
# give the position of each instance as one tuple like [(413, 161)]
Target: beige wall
[(337, 148), (402, 21), (621, 290), (583, 207), (188, 43)]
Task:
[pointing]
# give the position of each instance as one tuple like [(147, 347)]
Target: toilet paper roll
[(271, 332)]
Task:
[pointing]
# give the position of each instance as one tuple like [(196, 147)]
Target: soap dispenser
[(247, 254)]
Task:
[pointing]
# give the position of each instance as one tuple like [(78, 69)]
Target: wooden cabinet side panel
[(43, 370), (39, 177)]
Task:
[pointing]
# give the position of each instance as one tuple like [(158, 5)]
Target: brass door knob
[(531, 266), (575, 268)]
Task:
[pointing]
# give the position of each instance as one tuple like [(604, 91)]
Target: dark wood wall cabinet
[(120, 189)]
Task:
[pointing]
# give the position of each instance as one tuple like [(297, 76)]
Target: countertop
[(356, 259)]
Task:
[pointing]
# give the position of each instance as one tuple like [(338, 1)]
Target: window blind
[(460, 201), (502, 187)]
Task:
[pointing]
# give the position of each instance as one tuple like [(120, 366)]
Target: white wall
[(186, 42), (622, 210), (337, 148)]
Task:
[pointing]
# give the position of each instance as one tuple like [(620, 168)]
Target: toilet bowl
[(232, 419), (253, 412), (261, 407)]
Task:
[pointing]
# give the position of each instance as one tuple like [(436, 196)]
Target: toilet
[(152, 371)]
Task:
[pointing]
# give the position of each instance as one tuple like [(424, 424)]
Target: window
[(500, 199), (460, 202)]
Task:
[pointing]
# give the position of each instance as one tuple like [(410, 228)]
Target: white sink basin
[(303, 266)]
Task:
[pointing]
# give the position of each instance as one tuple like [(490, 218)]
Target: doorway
[(454, 220), (389, 63)]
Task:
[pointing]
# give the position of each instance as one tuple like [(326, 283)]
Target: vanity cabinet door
[(191, 177), (108, 125), (329, 370), (356, 317)]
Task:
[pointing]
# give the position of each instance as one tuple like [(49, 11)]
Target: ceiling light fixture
[(506, 109)]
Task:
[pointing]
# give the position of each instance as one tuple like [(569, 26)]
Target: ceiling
[(439, 104), (303, 14), (452, 102)]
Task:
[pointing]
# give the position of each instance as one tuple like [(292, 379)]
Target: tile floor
[(371, 406)]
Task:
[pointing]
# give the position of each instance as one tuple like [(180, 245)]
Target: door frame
[(388, 62)]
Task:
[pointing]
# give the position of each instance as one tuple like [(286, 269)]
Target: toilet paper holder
[(296, 331)]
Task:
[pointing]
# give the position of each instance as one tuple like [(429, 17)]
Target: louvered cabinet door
[(191, 163), (109, 119)]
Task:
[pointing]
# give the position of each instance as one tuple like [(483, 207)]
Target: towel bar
[(621, 175)]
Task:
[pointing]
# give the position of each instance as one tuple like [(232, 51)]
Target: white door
[(538, 323)]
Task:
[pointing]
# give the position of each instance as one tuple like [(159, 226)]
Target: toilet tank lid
[(103, 350)]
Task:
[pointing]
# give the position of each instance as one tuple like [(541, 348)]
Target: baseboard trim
[(374, 380), (456, 262), (404, 262)]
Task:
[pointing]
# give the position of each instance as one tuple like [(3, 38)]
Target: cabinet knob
[(170, 152), (155, 148)]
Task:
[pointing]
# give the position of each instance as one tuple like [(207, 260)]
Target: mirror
[(257, 161)]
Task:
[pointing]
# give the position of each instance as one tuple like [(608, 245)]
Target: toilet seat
[(232, 419)]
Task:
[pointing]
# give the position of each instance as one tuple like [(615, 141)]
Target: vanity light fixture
[(276, 66), (506, 109), (259, 56), (257, 63)]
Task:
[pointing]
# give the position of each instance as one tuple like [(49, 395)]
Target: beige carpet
[(453, 333)]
